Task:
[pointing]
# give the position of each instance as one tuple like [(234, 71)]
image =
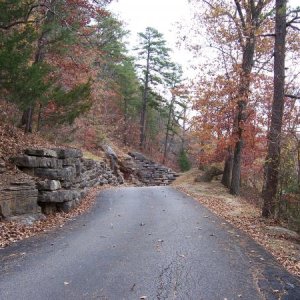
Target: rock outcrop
[(149, 172)]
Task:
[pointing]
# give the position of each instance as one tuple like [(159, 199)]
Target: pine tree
[(129, 89), (153, 56), (26, 35), (174, 80)]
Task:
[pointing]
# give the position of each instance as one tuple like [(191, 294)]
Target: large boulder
[(19, 198), (68, 153), (65, 174), (41, 152), (26, 161), (2, 166), (48, 185), (58, 196), (209, 174), (281, 231)]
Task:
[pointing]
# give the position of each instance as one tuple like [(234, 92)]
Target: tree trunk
[(273, 158), (299, 163), (27, 119), (226, 178), (125, 141), (39, 120), (183, 130), (144, 107), (250, 23), (168, 129), (241, 117)]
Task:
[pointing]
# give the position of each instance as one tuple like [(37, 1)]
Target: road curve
[(143, 243)]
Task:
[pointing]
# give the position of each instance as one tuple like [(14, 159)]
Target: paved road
[(153, 242)]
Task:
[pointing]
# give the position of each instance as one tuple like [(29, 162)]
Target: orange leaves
[(215, 106)]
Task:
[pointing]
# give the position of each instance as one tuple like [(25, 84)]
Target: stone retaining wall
[(151, 173), (60, 179)]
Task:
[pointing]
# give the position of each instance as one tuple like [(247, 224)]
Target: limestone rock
[(66, 174), (49, 185), (62, 178), (127, 165), (109, 151), (26, 161), (281, 231), (58, 196), (209, 174), (71, 161), (41, 152), (2, 166), (68, 153), (18, 198), (138, 156), (27, 219), (66, 206)]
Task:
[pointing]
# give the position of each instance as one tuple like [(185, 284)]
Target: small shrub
[(183, 161)]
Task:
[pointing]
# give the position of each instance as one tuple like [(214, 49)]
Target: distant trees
[(163, 93)]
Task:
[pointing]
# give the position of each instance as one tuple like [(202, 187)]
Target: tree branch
[(267, 35), (265, 63), (26, 18), (292, 96), (239, 9)]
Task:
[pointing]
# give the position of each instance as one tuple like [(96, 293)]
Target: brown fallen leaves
[(13, 141), (247, 217), (11, 232)]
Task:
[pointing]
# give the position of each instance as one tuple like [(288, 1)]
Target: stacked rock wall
[(151, 173), (62, 176), (57, 179)]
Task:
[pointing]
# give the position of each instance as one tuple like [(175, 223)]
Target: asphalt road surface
[(143, 243)]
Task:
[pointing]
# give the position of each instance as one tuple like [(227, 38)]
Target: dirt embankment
[(245, 214)]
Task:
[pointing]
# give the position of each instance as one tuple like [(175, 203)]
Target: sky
[(160, 14)]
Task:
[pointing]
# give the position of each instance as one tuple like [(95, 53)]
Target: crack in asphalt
[(170, 280)]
